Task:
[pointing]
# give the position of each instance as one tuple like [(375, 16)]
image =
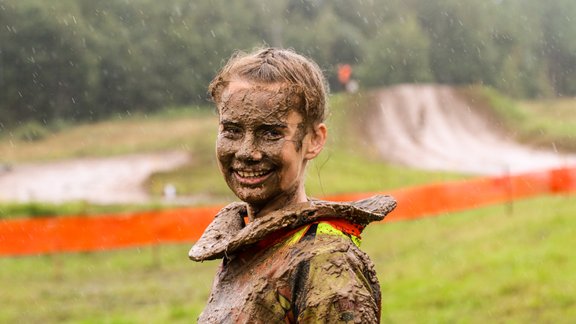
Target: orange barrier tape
[(68, 234), (455, 196), (83, 233)]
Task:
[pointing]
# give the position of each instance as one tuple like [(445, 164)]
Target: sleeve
[(338, 286)]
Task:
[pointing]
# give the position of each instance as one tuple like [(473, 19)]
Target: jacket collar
[(228, 233)]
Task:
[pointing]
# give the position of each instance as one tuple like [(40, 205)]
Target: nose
[(249, 150)]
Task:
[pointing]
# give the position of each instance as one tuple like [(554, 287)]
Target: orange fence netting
[(86, 233)]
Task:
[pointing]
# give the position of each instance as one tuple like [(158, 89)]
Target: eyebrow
[(228, 122), (272, 125), (276, 125)]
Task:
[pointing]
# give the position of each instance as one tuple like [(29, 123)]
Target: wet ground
[(98, 180)]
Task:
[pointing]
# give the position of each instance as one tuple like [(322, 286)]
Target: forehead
[(252, 101)]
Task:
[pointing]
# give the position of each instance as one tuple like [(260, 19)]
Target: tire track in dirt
[(431, 127)]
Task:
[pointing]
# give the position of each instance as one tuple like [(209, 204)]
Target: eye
[(231, 132), (272, 134)]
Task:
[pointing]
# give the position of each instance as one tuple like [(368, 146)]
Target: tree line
[(82, 60)]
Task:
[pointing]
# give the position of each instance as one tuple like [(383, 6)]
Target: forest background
[(82, 60)]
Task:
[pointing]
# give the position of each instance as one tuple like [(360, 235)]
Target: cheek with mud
[(258, 196), (271, 152)]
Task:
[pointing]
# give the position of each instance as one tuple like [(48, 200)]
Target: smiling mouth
[(251, 177)]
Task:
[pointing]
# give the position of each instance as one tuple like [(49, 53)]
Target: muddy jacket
[(300, 264)]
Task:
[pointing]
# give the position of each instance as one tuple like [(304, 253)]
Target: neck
[(257, 210)]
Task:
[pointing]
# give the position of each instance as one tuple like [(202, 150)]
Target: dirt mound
[(97, 180), (431, 127)]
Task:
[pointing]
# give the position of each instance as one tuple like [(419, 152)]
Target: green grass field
[(484, 265), (480, 266)]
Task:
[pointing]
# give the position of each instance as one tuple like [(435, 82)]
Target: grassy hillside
[(346, 164), (175, 128), (547, 123), (188, 128)]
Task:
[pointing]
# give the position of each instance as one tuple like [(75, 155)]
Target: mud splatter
[(259, 145), (235, 236), (292, 283)]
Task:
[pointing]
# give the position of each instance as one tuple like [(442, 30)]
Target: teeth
[(251, 174)]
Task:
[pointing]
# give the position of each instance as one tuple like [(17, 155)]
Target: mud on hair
[(274, 65)]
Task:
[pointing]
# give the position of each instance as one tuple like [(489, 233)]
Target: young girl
[(285, 257)]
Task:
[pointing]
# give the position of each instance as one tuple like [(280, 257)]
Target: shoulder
[(332, 251), (323, 238), (335, 280)]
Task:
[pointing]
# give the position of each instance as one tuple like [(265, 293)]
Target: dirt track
[(430, 127), (106, 180), (421, 126)]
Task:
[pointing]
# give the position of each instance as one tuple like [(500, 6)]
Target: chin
[(253, 200), (251, 196)]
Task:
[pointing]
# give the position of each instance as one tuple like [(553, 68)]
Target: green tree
[(47, 72), (397, 54), (559, 44)]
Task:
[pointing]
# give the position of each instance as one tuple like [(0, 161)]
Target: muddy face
[(260, 145)]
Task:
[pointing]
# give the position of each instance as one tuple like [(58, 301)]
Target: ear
[(317, 139)]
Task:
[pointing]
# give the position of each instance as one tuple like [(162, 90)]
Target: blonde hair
[(273, 65)]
